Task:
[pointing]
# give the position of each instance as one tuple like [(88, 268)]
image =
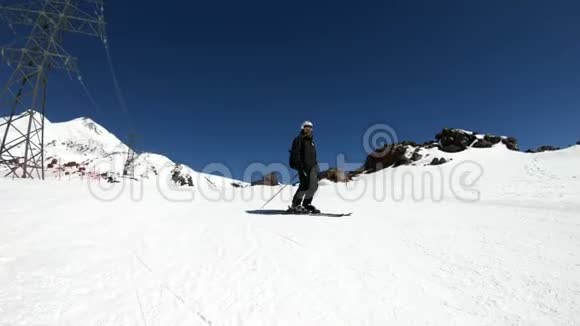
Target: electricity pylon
[(24, 94), (129, 168)]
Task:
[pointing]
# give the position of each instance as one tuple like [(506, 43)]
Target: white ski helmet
[(306, 124)]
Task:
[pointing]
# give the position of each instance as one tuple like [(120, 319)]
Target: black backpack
[(293, 160)]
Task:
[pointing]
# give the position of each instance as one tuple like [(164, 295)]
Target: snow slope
[(497, 244)]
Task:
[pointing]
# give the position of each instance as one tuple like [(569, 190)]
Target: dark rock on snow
[(179, 178), (544, 148), (334, 175), (52, 163), (387, 156), (482, 143), (448, 140), (511, 143), (270, 179), (416, 156), (438, 161), (492, 139), (452, 148), (453, 140), (351, 174)]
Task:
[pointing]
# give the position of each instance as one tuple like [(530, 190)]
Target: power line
[(89, 95), (118, 91)]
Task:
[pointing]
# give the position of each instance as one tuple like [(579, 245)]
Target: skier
[(303, 159)]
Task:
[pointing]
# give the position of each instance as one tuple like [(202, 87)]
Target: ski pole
[(269, 200)]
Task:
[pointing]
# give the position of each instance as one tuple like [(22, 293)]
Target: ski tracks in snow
[(165, 286), (208, 264), (537, 182)]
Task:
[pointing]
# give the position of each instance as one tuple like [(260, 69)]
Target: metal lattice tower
[(24, 94), (129, 168)]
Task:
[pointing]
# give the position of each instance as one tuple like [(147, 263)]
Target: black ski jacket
[(304, 153)]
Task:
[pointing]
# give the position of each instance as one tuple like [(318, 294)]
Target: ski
[(285, 212), (328, 214)]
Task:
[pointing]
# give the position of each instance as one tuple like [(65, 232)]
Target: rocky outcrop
[(416, 156), (544, 148), (492, 139), (454, 140), (438, 161), (457, 140), (72, 168), (52, 163), (70, 164), (387, 156), (334, 175), (487, 141), (511, 143), (352, 174), (179, 178), (482, 143), (110, 177), (409, 152), (237, 185), (270, 179)]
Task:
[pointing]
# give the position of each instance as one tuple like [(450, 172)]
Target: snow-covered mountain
[(81, 148)]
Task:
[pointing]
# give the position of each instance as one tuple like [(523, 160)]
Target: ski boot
[(311, 209), (299, 209)]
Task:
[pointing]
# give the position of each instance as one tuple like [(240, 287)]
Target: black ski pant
[(308, 187)]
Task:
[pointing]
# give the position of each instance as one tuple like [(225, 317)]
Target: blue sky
[(231, 81)]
